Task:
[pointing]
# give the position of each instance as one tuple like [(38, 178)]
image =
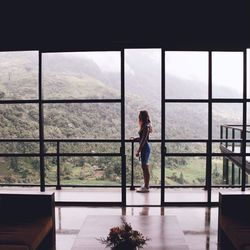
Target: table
[(164, 231)]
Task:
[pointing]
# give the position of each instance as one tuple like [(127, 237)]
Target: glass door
[(184, 126), (143, 92)]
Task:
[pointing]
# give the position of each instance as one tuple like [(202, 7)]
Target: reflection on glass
[(81, 75), (186, 75), (227, 74), (19, 75)]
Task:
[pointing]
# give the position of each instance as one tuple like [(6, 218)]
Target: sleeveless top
[(144, 135)]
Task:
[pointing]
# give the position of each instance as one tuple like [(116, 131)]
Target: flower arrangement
[(124, 238)]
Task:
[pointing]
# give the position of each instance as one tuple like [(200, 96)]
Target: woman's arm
[(136, 139)]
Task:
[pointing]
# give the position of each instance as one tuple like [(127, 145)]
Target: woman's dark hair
[(144, 117)]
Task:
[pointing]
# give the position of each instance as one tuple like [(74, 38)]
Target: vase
[(124, 247)]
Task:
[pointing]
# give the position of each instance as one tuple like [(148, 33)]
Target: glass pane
[(99, 120), (19, 121), (185, 194), (248, 120), (50, 170), (19, 147), (227, 74), (19, 170), (226, 147), (182, 171), (186, 147), (224, 171), (81, 75), (89, 147), (154, 164), (91, 170), (142, 89), (19, 75), (186, 120), (186, 75), (248, 73), (226, 114), (83, 147)]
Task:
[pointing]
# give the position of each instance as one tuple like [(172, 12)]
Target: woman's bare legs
[(146, 175)]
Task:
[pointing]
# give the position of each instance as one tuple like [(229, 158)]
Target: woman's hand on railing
[(132, 138), (137, 154)]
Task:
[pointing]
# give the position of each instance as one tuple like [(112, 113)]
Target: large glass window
[(82, 111), (225, 114), (143, 88), (19, 75), (181, 120), (81, 75), (86, 120), (19, 121), (143, 92), (82, 92), (227, 74), (186, 75)]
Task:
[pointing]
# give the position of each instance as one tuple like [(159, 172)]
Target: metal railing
[(233, 144), (59, 154), (228, 139)]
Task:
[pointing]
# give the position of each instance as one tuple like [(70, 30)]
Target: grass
[(192, 173)]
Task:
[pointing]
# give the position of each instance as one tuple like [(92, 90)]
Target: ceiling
[(176, 25)]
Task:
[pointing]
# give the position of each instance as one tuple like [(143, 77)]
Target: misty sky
[(227, 66)]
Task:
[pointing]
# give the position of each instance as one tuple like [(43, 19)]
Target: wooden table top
[(164, 231)]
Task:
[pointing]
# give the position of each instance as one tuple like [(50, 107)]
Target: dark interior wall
[(176, 25)]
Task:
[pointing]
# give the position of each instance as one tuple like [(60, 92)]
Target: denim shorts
[(145, 154)]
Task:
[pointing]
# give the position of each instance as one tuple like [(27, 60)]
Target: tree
[(2, 95), (181, 178), (14, 163)]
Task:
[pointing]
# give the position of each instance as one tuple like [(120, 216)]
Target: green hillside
[(68, 77)]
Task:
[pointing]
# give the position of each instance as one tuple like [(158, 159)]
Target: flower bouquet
[(124, 238)]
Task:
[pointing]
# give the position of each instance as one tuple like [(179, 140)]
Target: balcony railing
[(58, 153), (234, 135), (230, 145)]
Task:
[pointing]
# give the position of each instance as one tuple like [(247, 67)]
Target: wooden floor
[(164, 231)]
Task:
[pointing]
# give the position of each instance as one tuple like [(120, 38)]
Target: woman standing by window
[(143, 152)]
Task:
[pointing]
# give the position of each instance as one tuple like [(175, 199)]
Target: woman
[(144, 149)]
